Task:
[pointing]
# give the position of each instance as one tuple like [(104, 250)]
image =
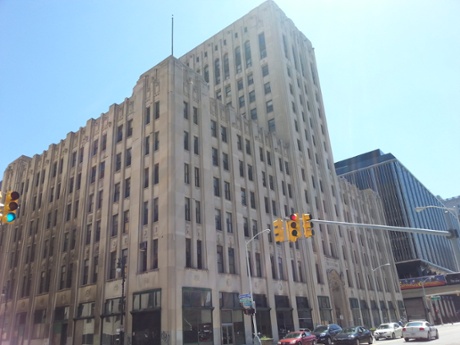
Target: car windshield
[(293, 335), (414, 324), (349, 330), (320, 329), (384, 326)]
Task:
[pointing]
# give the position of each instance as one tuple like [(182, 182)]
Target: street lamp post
[(426, 311), (5, 296), (453, 239), (254, 321), (121, 265), (376, 294)]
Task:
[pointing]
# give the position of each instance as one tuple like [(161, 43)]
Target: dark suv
[(325, 334)]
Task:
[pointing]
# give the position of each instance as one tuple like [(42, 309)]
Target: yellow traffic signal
[(293, 227), (307, 225), (10, 207), (278, 229)]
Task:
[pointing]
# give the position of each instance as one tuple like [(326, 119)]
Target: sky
[(389, 70)]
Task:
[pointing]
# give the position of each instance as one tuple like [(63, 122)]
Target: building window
[(119, 133), (239, 84), (223, 132), (186, 173), (215, 157), (197, 212), (217, 71), (216, 184), (250, 79), (228, 222), (128, 157), (247, 53), (227, 191), (197, 177), (262, 46), (157, 110), (265, 71), (129, 129), (187, 210), (118, 162), (225, 161), (220, 259), (214, 128), (267, 88), (186, 140), (185, 110), (218, 219), (127, 187), (269, 106), (231, 261), (238, 60), (156, 173)]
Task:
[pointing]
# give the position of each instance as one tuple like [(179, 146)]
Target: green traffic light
[(10, 217)]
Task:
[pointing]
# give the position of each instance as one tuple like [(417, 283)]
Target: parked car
[(420, 330), (354, 336), (390, 330), (298, 338), (326, 334)]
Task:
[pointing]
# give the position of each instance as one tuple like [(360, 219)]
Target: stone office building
[(143, 223)]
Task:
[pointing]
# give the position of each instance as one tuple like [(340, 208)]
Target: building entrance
[(147, 328), (227, 334)]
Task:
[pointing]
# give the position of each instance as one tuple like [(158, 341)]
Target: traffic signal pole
[(448, 234)]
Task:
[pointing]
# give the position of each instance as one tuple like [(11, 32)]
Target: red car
[(298, 338)]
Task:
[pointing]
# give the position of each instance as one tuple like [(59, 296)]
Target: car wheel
[(406, 339), (327, 341), (393, 335), (357, 342), (437, 335), (313, 342)]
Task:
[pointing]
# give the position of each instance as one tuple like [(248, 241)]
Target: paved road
[(448, 335)]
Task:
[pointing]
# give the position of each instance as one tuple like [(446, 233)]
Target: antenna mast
[(172, 34)]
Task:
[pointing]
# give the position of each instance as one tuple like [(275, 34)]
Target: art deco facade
[(173, 187)]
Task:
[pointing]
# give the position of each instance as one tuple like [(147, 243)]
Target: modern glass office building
[(403, 197)]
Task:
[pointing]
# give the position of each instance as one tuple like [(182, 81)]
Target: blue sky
[(389, 70)]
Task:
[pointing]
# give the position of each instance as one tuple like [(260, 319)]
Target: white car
[(390, 330), (420, 330)]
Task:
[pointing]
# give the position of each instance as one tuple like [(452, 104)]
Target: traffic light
[(10, 207), (453, 233), (307, 225), (293, 227), (278, 226)]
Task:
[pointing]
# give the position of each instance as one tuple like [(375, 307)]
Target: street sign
[(245, 300), (435, 298)]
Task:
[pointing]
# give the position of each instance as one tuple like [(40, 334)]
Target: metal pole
[(376, 293), (424, 299), (122, 264), (456, 247), (253, 318), (5, 296)]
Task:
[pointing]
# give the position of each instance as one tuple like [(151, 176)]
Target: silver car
[(390, 330), (420, 330)]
